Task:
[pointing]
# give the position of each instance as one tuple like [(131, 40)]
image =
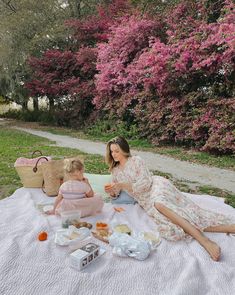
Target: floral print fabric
[(148, 189)]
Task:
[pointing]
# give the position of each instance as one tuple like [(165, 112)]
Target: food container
[(70, 218)]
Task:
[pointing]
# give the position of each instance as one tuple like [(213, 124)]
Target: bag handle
[(35, 168), (36, 151)]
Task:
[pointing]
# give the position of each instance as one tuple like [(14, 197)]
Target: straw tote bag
[(53, 175), (29, 176)]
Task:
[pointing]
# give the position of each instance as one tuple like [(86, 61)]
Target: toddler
[(76, 193)]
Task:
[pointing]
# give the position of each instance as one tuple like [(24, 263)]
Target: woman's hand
[(112, 188), (117, 187)]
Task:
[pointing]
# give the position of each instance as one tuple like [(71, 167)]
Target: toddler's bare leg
[(211, 247)]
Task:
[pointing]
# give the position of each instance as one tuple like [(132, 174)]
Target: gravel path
[(193, 174)]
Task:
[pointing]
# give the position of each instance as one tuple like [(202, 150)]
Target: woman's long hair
[(124, 146)]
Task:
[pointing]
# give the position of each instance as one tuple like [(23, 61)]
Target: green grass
[(229, 198), (14, 144), (195, 188), (183, 154)]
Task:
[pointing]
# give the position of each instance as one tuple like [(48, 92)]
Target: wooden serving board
[(99, 237)]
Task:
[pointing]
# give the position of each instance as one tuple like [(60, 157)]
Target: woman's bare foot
[(212, 248)]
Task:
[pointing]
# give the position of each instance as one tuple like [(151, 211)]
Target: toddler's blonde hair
[(71, 166)]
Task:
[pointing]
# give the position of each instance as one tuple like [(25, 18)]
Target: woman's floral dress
[(148, 189)]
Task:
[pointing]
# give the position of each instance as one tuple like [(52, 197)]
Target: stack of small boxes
[(82, 257)]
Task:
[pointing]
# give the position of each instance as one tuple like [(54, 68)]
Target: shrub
[(109, 128), (13, 114), (177, 84)]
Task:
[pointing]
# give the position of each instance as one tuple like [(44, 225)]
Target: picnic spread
[(112, 264)]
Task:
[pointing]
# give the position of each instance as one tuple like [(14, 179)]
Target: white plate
[(157, 239), (61, 237), (154, 242)]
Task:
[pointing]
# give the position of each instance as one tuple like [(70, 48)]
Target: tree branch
[(9, 5)]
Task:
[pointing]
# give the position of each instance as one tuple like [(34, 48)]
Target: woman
[(176, 215)]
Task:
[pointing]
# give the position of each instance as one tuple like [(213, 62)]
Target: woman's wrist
[(126, 186)]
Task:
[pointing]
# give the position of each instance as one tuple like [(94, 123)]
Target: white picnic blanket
[(30, 267)]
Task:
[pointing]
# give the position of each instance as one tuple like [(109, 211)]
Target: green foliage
[(13, 114), (4, 87), (108, 128), (32, 27), (153, 6), (2, 100), (44, 117)]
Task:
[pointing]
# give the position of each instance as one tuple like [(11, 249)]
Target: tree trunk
[(25, 105), (51, 104), (75, 8), (35, 104)]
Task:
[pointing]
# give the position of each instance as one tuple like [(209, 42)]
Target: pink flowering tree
[(203, 63), (95, 28), (127, 41), (168, 74), (66, 79)]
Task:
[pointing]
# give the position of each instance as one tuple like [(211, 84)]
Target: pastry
[(83, 224), (122, 228), (73, 235), (102, 235), (152, 238)]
